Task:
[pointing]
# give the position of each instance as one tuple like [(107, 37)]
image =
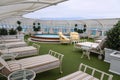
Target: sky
[(79, 9)]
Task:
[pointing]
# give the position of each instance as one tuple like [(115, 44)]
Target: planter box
[(107, 54), (115, 63)]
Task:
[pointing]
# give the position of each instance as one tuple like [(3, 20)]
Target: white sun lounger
[(37, 63), (81, 74), (91, 47), (12, 40), (14, 44), (9, 37), (21, 51)]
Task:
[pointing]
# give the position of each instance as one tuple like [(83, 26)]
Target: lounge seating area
[(18, 49), (17, 56), (50, 39), (65, 65)]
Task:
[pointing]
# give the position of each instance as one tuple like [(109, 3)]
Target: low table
[(24, 74), (86, 52)]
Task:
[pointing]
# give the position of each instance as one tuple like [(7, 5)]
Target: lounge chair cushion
[(15, 44), (33, 62), (12, 40), (88, 44), (19, 49)]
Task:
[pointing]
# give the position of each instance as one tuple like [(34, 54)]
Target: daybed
[(14, 44), (37, 63), (82, 74)]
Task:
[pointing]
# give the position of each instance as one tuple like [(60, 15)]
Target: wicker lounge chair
[(82, 74), (74, 37), (37, 63), (63, 39)]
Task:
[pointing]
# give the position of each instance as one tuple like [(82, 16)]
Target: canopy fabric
[(10, 8)]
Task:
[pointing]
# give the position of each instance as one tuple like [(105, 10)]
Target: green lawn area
[(71, 61)]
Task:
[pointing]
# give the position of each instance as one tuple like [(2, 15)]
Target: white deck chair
[(82, 74), (37, 63), (93, 47)]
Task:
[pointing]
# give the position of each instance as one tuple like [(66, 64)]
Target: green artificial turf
[(71, 61)]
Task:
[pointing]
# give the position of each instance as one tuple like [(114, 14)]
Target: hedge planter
[(107, 54)]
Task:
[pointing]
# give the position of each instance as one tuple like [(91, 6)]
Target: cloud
[(80, 8)]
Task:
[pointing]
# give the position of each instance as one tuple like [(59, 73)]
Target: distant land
[(78, 18)]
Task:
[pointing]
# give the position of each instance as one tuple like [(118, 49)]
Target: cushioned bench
[(81, 74)]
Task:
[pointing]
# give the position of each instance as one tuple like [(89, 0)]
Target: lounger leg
[(61, 69), (83, 54), (86, 53)]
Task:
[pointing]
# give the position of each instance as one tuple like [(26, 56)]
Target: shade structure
[(10, 8)]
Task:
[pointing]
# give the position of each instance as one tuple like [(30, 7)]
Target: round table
[(24, 74)]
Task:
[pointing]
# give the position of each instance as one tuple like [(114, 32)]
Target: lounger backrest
[(102, 43), (6, 70), (74, 35), (60, 33), (56, 54), (62, 37), (84, 68), (97, 33)]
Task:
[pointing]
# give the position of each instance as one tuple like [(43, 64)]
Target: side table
[(24, 74)]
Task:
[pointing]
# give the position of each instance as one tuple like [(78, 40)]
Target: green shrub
[(19, 28), (36, 28), (3, 31), (113, 37), (80, 30), (12, 32)]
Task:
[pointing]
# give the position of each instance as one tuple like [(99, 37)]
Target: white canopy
[(10, 8)]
